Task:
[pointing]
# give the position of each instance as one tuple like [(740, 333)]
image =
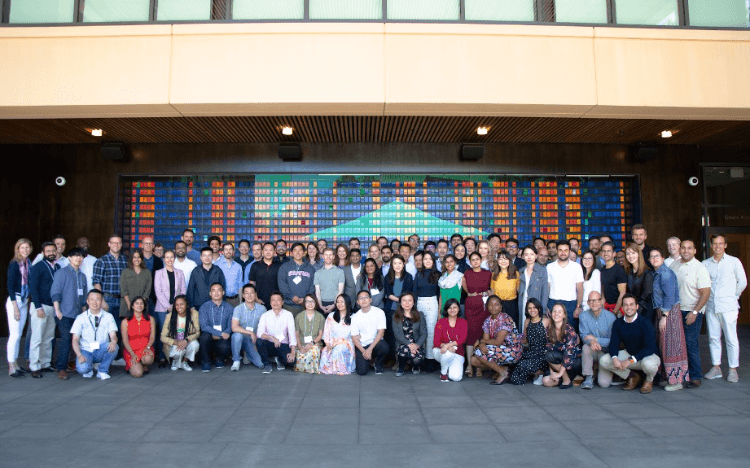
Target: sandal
[(479, 373), (469, 372)]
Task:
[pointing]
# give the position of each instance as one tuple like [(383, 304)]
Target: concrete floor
[(287, 419)]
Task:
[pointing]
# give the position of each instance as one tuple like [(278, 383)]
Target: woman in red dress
[(476, 284), (138, 335)]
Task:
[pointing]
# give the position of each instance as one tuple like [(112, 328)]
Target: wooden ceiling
[(378, 129)]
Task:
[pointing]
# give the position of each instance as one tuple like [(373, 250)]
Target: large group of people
[(545, 312)]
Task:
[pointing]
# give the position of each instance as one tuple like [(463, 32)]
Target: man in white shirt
[(368, 328), (181, 262), (728, 280), (87, 267), (276, 335), (694, 285), (94, 338), (566, 283), (352, 274)]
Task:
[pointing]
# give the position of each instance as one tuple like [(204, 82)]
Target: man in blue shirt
[(637, 335), (69, 290), (244, 328), (596, 328), (232, 274), (215, 317), (187, 237)]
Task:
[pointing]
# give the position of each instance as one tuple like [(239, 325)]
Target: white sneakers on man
[(235, 366)]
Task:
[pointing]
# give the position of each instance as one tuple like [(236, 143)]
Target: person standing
[(329, 282), (640, 280), (187, 237), (614, 280), (673, 247), (94, 338), (201, 279), (150, 261), (476, 284), (639, 235), (566, 284), (181, 262), (694, 284), (43, 312), (505, 283), (169, 283), (264, 274), (87, 267), (352, 273), (728, 280), (17, 304), (592, 279), (135, 282), (427, 292), (244, 258), (232, 274), (59, 243), (69, 291), (296, 280), (107, 271), (533, 282)]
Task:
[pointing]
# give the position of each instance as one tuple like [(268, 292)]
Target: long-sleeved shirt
[(87, 268), (211, 316), (280, 326), (107, 272), (194, 255), (444, 333), (638, 337), (199, 285), (232, 275), (569, 346), (666, 292), (728, 280), (600, 327), (134, 284), (15, 279), (70, 288), (422, 286), (40, 283), (295, 280)]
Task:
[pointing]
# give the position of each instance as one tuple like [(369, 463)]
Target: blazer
[(161, 288), (420, 332), (350, 282), (377, 299), (538, 287), (168, 341), (642, 287), (407, 287)]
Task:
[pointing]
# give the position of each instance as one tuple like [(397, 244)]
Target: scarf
[(448, 281)]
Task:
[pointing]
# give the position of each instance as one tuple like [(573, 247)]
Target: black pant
[(511, 308), (556, 358), (404, 360), (388, 336), (63, 350), (379, 352), (267, 350), (220, 347)]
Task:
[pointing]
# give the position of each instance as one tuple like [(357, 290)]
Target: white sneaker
[(119, 362), (538, 380), (279, 364), (186, 367), (174, 365), (103, 376), (673, 388), (88, 375), (713, 373), (236, 366), (245, 360), (732, 376)]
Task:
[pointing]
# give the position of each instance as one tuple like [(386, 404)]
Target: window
[(346, 9), (719, 13), (500, 10), (42, 11), (424, 10), (115, 11), (581, 11), (647, 12), (183, 10), (268, 10)]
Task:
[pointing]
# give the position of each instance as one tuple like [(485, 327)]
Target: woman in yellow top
[(505, 280)]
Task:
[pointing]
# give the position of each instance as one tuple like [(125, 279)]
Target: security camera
[(60, 181), (693, 181)]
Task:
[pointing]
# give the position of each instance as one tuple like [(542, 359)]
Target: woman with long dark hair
[(476, 284), (505, 283), (410, 329), (373, 281), (180, 334), (338, 355), (138, 336), (640, 281), (135, 281), (397, 282), (563, 350), (427, 293), (534, 335), (309, 327)]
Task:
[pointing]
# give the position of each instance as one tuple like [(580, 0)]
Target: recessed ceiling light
[(287, 130), (666, 134), (97, 132), (482, 130)]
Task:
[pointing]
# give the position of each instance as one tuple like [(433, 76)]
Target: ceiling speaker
[(645, 152), (114, 151), (472, 152), (290, 152)]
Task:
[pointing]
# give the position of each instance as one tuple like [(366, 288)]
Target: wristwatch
[(695, 312)]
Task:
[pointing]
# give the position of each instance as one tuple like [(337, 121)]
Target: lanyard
[(96, 328), (213, 314), (50, 268)]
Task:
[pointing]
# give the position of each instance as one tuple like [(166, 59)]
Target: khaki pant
[(588, 358), (42, 332), (649, 365)]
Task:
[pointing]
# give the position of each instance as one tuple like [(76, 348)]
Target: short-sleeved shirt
[(309, 328), (85, 326), (562, 281), (248, 318), (611, 277), (366, 325), (691, 277), (329, 279)]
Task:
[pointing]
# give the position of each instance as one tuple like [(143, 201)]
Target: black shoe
[(378, 370), (23, 370), (17, 374), (48, 369), (162, 364), (36, 374)]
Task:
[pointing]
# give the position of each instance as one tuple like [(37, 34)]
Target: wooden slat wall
[(373, 129)]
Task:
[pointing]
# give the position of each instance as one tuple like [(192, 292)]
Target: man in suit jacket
[(352, 274)]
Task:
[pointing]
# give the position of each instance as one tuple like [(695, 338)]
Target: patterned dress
[(310, 361), (510, 351), (569, 347), (403, 350), (533, 358), (340, 359), (673, 349), (476, 282), (139, 332)]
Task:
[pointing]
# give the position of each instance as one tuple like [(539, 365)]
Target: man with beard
[(181, 262), (42, 312), (386, 253), (87, 267), (187, 237)]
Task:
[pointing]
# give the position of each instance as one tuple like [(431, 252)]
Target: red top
[(139, 332), (444, 333)]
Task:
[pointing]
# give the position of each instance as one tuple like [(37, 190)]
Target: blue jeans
[(691, 342), (570, 308), (100, 355), (63, 349), (160, 318), (240, 342)]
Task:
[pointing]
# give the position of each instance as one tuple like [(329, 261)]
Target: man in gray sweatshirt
[(296, 280)]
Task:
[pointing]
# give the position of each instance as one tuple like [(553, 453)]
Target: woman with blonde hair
[(17, 304)]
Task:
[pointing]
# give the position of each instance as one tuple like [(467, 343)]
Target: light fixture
[(666, 134), (97, 132), (482, 130), (287, 130)]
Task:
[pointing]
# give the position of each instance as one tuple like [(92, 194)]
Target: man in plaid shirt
[(106, 278)]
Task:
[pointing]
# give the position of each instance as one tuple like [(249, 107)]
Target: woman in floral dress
[(338, 355), (499, 345)]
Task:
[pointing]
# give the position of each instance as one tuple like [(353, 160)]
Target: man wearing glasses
[(596, 329)]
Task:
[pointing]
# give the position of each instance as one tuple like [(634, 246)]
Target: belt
[(232, 297), (116, 296)]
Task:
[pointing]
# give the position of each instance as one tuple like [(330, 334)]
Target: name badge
[(249, 328), (280, 336), (80, 291), (308, 339), (217, 327), (374, 291), (93, 346), (297, 280)]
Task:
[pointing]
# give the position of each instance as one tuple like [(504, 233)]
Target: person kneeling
[(368, 328), (215, 317), (94, 338), (563, 350), (636, 333), (499, 345), (180, 334), (138, 335), (448, 345), (410, 330), (276, 335)]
